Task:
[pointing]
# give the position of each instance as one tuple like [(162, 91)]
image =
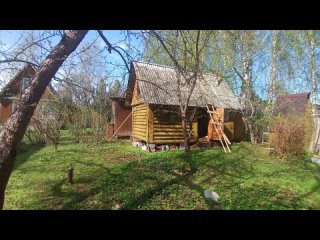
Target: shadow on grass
[(25, 151), (155, 179), (315, 189), (70, 195), (132, 185)]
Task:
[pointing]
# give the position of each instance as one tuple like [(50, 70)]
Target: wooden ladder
[(217, 126)]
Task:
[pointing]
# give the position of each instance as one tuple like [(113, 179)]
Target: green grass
[(117, 175)]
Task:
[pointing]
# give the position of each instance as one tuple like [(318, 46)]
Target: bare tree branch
[(110, 48)]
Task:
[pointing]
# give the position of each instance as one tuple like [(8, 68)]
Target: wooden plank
[(167, 138), (167, 125), (160, 129), (167, 134), (195, 126), (140, 115), (167, 131), (171, 131), (140, 122), (140, 129), (170, 135), (141, 125), (138, 109), (144, 126), (168, 122), (138, 133), (170, 140), (141, 107), (140, 118), (139, 137), (150, 125)]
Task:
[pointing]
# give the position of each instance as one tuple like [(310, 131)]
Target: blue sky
[(8, 38)]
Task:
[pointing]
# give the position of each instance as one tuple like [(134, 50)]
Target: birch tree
[(273, 72), (312, 43)]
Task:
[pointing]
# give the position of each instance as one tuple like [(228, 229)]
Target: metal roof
[(158, 85), (291, 104)]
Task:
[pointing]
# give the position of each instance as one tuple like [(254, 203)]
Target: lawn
[(117, 175)]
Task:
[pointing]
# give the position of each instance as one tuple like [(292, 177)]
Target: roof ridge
[(155, 64), (167, 66), (303, 94)]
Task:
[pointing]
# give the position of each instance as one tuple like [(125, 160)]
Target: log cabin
[(121, 120), (152, 94), (11, 93)]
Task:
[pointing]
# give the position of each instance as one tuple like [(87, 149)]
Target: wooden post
[(70, 174)]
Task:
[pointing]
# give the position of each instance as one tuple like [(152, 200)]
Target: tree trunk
[(185, 133), (13, 131), (246, 95), (246, 39), (272, 84), (313, 74)]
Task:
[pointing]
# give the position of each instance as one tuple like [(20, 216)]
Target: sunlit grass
[(117, 175)]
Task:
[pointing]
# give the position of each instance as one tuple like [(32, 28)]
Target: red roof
[(294, 95), (291, 104)]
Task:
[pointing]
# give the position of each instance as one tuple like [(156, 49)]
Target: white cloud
[(123, 45)]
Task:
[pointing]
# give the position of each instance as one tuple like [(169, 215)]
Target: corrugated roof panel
[(158, 85)]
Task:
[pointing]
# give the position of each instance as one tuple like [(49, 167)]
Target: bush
[(289, 135)]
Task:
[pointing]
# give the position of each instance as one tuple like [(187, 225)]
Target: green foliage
[(116, 89)]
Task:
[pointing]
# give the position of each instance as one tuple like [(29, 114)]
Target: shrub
[(289, 135)]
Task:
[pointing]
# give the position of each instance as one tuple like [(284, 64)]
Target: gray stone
[(152, 146), (211, 195), (315, 159), (144, 147)]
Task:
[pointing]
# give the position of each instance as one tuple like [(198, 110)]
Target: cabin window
[(229, 115), (226, 115), (25, 83)]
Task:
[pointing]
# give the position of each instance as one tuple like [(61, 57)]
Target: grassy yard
[(118, 176)]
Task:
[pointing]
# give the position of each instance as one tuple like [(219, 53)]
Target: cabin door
[(203, 121)]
